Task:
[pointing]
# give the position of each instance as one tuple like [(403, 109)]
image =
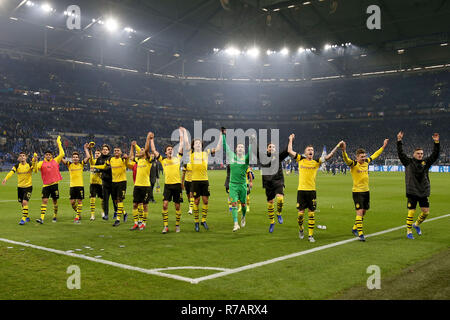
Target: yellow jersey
[(360, 171), (171, 169), (307, 172), (143, 172), (95, 177), (76, 173), (199, 164), (23, 171), (118, 168), (187, 168)]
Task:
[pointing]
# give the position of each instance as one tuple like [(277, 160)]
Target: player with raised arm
[(172, 181), (200, 183), (24, 170), (76, 180), (95, 180), (273, 182), (119, 164), (417, 182), (238, 163), (306, 194), (141, 191), (186, 184), (359, 169), (50, 175)]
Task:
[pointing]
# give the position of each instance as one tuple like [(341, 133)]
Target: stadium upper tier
[(43, 98)]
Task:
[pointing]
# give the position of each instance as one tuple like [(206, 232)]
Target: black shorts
[(200, 188), (50, 191), (361, 200), (412, 201), (24, 194), (118, 190), (173, 192), (141, 194), (273, 188), (76, 193), (96, 190), (188, 187), (306, 200)]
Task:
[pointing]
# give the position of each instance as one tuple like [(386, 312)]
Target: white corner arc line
[(297, 254), (110, 263)]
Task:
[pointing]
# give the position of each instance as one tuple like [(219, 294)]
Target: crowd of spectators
[(42, 99)]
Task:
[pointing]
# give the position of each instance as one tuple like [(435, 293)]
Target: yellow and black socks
[(165, 215), (409, 220), (204, 212), (177, 217), (270, 210), (135, 215), (359, 224), (55, 210), (141, 212), (144, 216), (191, 203), (92, 206), (196, 213), (311, 223), (421, 218), (79, 209), (24, 212), (300, 220), (280, 202), (43, 211), (119, 210), (248, 203)]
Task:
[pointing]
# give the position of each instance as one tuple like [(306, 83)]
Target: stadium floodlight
[(111, 25), (269, 52), (215, 50), (301, 50), (327, 46), (129, 30), (253, 52), (284, 51), (47, 8), (232, 51), (30, 4)]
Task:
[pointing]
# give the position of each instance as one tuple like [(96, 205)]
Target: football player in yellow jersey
[(95, 187), (76, 180), (23, 169), (141, 191), (200, 184), (50, 175), (306, 194), (119, 164), (186, 184), (172, 181), (359, 169)]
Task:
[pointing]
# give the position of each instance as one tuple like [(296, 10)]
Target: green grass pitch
[(323, 274)]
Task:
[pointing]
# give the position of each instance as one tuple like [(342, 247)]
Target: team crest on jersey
[(423, 163), (357, 206)]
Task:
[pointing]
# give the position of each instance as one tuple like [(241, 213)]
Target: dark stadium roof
[(178, 36)]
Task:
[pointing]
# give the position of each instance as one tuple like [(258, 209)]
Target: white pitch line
[(297, 254), (110, 263), (225, 271)]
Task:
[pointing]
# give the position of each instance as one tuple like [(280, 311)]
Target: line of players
[(196, 184)]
